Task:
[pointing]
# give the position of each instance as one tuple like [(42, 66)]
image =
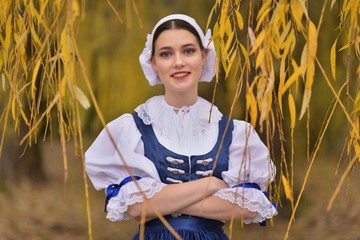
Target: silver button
[(174, 161), (204, 162), (175, 170)]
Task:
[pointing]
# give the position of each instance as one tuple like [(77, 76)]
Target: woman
[(193, 176)]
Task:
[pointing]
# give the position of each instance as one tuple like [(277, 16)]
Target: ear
[(153, 63), (204, 55)]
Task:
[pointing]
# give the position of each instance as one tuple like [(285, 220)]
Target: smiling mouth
[(180, 75)]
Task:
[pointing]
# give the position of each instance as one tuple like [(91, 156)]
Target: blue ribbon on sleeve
[(114, 189), (256, 186)]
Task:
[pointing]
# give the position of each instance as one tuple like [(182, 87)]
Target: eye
[(189, 51), (165, 54)]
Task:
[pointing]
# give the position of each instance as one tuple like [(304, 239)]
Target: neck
[(181, 99)]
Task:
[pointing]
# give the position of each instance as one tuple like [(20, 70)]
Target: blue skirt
[(188, 227)]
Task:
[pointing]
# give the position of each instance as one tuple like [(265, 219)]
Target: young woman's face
[(178, 60)]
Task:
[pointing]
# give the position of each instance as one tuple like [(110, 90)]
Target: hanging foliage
[(276, 30), (269, 51)]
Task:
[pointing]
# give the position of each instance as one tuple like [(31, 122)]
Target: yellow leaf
[(357, 98), (239, 19), (1, 58), (55, 58), (311, 55), (261, 18), (287, 188), (265, 6), (58, 5), (3, 81), (8, 33), (260, 58), (228, 28), (285, 32), (22, 38), (21, 41), (266, 100), (306, 101), (24, 64), (20, 23), (13, 110), (80, 96), (43, 7), (354, 10), (276, 43), (292, 109), (216, 38), (294, 77), (288, 45), (310, 71), (281, 84), (231, 61), (303, 60), (222, 28), (34, 75), (24, 117), (75, 9), (224, 11), (346, 46), (258, 41), (229, 41), (302, 4), (38, 17), (261, 85), (63, 87), (333, 59), (65, 51), (246, 55), (251, 106), (34, 36), (312, 39), (223, 55), (251, 36), (297, 13)]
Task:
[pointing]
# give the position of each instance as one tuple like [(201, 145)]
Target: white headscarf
[(208, 70)]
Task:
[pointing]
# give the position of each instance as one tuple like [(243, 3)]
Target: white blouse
[(187, 131)]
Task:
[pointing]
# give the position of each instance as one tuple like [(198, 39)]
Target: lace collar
[(157, 112)]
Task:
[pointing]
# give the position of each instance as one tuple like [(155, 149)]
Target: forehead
[(175, 38)]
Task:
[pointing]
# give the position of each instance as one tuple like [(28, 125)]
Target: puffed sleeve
[(249, 162), (105, 167)]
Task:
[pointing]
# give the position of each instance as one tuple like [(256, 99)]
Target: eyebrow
[(183, 46)]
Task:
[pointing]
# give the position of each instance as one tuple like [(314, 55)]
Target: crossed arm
[(191, 198)]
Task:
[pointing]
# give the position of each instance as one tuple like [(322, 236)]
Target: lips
[(180, 74)]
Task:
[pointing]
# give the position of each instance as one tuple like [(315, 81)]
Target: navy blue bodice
[(177, 168)]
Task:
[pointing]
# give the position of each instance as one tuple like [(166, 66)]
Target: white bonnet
[(208, 71)]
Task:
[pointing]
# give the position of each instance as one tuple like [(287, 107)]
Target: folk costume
[(167, 145)]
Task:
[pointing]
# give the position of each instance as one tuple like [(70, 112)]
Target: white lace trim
[(143, 114), (250, 199), (129, 195), (199, 112)]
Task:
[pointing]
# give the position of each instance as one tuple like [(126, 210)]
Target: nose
[(178, 61)]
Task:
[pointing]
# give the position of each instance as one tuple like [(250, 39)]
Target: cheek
[(160, 65)]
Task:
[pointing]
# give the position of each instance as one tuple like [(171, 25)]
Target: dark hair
[(175, 24)]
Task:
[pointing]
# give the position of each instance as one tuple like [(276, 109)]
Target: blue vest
[(177, 168)]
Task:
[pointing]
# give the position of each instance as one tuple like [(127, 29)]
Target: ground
[(56, 209)]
